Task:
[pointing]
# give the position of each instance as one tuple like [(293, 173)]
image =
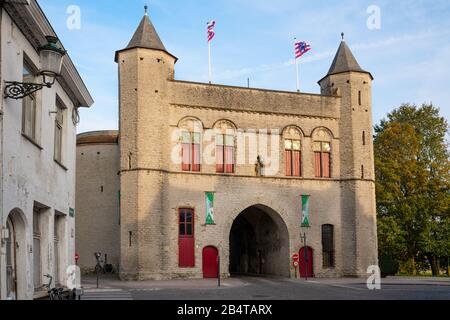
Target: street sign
[(295, 259)]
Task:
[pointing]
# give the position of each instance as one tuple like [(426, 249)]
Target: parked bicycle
[(61, 293)]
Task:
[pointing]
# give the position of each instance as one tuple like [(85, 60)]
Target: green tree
[(412, 172)]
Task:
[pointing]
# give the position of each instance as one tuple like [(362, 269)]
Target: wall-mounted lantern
[(51, 56)]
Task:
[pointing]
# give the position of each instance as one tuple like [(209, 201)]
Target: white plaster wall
[(30, 173)]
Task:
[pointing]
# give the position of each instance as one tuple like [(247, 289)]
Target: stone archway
[(259, 243), (16, 255)]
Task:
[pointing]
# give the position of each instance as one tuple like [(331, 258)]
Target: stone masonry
[(153, 106)]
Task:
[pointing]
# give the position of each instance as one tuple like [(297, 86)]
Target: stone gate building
[(325, 150)]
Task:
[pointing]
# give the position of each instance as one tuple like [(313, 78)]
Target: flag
[(211, 32), (301, 48), (305, 211), (210, 208)]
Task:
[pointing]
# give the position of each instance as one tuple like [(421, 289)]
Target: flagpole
[(296, 67), (209, 63)]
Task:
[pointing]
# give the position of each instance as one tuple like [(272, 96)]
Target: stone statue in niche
[(259, 167)]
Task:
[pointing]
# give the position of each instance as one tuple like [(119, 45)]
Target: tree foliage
[(413, 185)]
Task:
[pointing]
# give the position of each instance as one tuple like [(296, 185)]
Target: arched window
[(328, 246), (293, 152), (322, 153), (225, 147), (191, 139)]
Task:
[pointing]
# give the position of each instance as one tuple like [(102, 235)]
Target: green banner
[(305, 211), (210, 208)]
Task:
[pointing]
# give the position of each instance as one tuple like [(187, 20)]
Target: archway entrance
[(210, 262), (15, 256), (11, 265), (259, 243)]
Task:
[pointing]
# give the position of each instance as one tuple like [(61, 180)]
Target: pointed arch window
[(293, 157), (225, 132), (225, 153), (293, 151), (322, 153), (191, 130), (191, 143)]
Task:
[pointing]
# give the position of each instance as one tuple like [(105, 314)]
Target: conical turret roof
[(345, 61), (146, 37)]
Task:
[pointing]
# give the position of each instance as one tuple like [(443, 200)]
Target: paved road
[(250, 288)]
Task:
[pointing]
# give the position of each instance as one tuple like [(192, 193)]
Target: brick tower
[(145, 66), (354, 85)]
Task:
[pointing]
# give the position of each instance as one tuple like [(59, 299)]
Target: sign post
[(295, 262), (218, 270)]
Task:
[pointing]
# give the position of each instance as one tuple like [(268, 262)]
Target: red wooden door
[(306, 269), (210, 263), (186, 247)]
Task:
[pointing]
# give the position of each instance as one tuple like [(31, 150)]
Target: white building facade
[(37, 164)]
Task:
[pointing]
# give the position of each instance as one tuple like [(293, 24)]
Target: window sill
[(61, 165), (32, 141)]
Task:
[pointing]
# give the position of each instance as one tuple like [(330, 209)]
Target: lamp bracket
[(19, 90)]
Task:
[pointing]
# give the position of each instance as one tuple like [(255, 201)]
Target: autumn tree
[(413, 185)]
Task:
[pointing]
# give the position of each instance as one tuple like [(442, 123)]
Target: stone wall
[(98, 187)]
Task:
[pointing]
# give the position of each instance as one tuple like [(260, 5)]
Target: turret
[(349, 81), (145, 67)]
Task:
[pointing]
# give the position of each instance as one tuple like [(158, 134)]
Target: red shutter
[(186, 157), (288, 163), (296, 164), (229, 159), (317, 164), (219, 159), (196, 159), (326, 165)]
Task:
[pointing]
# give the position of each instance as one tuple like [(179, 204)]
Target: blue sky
[(409, 56)]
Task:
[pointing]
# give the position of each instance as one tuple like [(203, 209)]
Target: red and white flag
[(211, 32), (301, 48)]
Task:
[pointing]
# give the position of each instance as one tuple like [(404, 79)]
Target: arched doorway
[(306, 265), (259, 243), (210, 262), (15, 256)]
